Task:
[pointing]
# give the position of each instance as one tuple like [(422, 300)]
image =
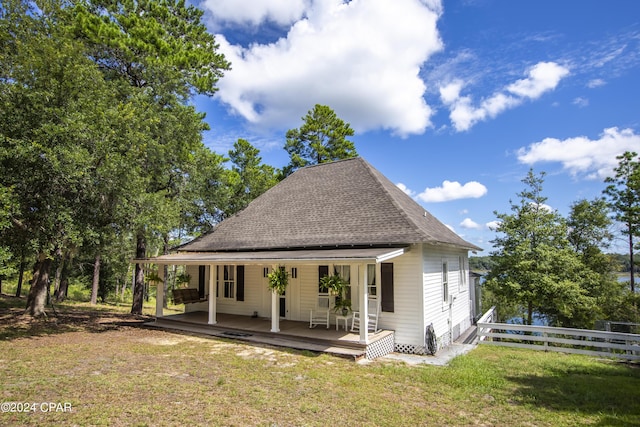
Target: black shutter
[(386, 285), (240, 283), (201, 274), (323, 270)]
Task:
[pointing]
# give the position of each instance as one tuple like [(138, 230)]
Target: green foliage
[(623, 193), (322, 138), (278, 280), (249, 177), (535, 267)]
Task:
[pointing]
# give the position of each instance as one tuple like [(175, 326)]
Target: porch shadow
[(293, 334)]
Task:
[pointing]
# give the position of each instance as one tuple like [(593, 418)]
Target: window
[(323, 270), (462, 281), (344, 271), (371, 280), (229, 281), (294, 272), (265, 272), (445, 281)]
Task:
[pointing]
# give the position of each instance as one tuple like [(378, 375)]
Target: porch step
[(341, 349)]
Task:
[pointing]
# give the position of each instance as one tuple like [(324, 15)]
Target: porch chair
[(373, 306), (320, 316)]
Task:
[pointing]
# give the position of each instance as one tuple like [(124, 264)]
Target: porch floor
[(293, 334)]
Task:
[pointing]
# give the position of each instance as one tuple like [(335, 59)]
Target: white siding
[(407, 318), (450, 318)]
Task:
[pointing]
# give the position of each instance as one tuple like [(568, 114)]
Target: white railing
[(564, 340), (488, 318)]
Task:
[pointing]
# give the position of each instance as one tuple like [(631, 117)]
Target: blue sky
[(453, 101)]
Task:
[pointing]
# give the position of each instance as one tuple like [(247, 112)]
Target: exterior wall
[(450, 318), (407, 318)]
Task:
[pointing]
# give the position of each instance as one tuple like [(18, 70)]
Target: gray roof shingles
[(339, 204)]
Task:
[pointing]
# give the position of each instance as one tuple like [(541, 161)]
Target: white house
[(343, 217)]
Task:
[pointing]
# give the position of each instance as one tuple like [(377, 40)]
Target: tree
[(250, 177), (534, 265), (52, 103), (623, 193), (163, 52), (589, 234), (322, 138)]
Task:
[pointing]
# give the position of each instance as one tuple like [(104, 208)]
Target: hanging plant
[(333, 284), (278, 280)]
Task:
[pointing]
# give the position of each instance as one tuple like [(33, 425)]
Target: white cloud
[(581, 156), (453, 191), (469, 223), (596, 83), (254, 12), (406, 190), (542, 78), (338, 55), (581, 102), (493, 225)]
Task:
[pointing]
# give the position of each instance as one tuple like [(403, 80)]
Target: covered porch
[(292, 334), (280, 315)]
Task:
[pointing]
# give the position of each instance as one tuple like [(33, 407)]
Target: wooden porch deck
[(292, 334)]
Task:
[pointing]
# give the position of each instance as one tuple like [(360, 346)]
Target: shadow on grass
[(610, 390), (67, 318)]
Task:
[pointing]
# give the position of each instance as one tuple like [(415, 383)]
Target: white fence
[(564, 340)]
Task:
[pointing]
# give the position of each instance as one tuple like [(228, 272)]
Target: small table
[(340, 317)]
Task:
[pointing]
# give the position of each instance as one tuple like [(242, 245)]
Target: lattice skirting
[(381, 347), (410, 349)]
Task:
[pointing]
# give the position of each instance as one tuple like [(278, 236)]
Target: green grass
[(116, 374)]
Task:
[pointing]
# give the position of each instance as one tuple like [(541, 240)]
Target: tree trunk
[(529, 313), (138, 288), (20, 276), (56, 281), (62, 293), (37, 298), (632, 278), (96, 280)]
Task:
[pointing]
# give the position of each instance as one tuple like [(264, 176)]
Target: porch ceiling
[(372, 255)]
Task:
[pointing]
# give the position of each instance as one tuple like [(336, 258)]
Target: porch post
[(213, 280), (364, 305), (275, 309), (275, 313), (160, 292)]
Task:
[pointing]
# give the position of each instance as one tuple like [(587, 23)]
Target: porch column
[(275, 312), (160, 292), (364, 305), (275, 307), (213, 280)]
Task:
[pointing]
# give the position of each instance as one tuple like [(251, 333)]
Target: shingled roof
[(340, 204)]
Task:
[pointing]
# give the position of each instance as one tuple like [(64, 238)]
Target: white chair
[(320, 316), (373, 306)]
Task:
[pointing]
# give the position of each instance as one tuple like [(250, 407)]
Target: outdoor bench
[(187, 296)]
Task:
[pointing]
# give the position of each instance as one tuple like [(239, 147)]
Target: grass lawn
[(111, 372)]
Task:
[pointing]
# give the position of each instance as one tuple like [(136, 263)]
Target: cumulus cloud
[(453, 191), (581, 156), (469, 223), (541, 78), (336, 54), (406, 190), (254, 12), (493, 225)]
